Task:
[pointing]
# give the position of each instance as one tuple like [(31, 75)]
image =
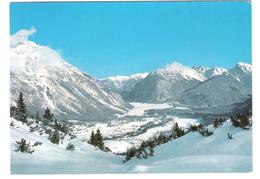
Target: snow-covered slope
[(164, 84), (190, 153), (210, 72), (224, 89), (200, 69), (194, 153), (244, 72), (47, 80), (123, 83)]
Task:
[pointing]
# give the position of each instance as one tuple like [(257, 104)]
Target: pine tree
[(37, 117), (24, 147), (48, 116), (218, 122), (99, 140), (92, 139), (193, 128), (130, 153), (177, 131), (241, 121), (21, 111), (55, 137), (12, 111)]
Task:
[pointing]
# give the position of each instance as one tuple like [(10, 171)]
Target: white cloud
[(174, 67), (21, 36), (26, 55)]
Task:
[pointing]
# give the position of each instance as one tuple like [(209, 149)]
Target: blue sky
[(106, 39)]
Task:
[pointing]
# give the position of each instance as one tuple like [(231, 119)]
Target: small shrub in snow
[(70, 147), (177, 131), (106, 149), (230, 136), (218, 122), (32, 129), (162, 139), (151, 151), (24, 147), (193, 128), (37, 143), (72, 136), (48, 131), (204, 131), (131, 152), (241, 121), (55, 137), (61, 127), (12, 124)]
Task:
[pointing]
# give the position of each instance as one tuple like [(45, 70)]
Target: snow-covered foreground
[(190, 153)]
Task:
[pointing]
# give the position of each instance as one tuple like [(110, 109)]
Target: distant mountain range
[(191, 85)]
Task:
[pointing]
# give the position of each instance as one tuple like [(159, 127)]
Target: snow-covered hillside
[(193, 153), (123, 83), (47, 80), (190, 153), (164, 84), (224, 89)]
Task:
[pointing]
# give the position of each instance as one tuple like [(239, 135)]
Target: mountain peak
[(245, 67), (179, 69), (123, 78)]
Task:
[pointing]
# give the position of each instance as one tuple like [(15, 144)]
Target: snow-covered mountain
[(210, 72), (123, 83), (47, 80), (224, 89), (164, 84), (244, 72), (194, 86)]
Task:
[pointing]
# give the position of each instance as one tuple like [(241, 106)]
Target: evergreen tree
[(99, 140), (193, 128), (130, 153), (48, 116), (21, 111), (92, 139), (218, 122), (24, 147), (37, 117), (151, 151), (177, 131), (241, 121), (55, 137), (70, 147), (12, 111), (96, 139)]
